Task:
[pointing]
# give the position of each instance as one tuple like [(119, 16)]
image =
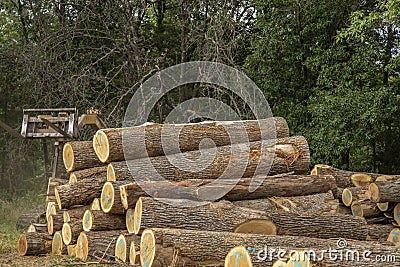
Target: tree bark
[(75, 213), (55, 223), (196, 189), (385, 191), (283, 155), (79, 155), (81, 193), (91, 173), (51, 185), (224, 216), (160, 246), (315, 204), (70, 231), (379, 232), (108, 143), (37, 228), (34, 244), (97, 244), (365, 208), (351, 194), (94, 220)]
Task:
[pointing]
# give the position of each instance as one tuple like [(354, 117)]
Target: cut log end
[(101, 146), (95, 204), (111, 173), (356, 209), (87, 221), (137, 216), (124, 197), (130, 221), (71, 250), (83, 247), (147, 248), (58, 198), (374, 192), (107, 197), (120, 249), (361, 179), (132, 253), (22, 245), (263, 227), (68, 157), (279, 263), (66, 233), (383, 206), (31, 229), (396, 213), (50, 209), (72, 179), (238, 256), (314, 171), (347, 197), (50, 225), (57, 244), (394, 236), (66, 217)]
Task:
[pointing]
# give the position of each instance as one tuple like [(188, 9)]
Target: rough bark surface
[(386, 191), (95, 220), (79, 155), (99, 245), (34, 244), (91, 173)]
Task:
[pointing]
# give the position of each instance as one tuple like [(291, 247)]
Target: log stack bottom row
[(114, 208)]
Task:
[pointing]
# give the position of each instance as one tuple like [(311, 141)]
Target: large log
[(70, 231), (126, 247), (379, 232), (108, 143), (99, 245), (81, 193), (79, 155), (272, 186), (345, 178), (159, 247), (283, 155), (317, 203), (385, 191), (224, 216), (95, 220), (91, 173), (34, 244)]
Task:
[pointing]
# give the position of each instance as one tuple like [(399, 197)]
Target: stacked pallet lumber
[(113, 208)]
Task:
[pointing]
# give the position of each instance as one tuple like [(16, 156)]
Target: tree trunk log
[(94, 220), (37, 228), (351, 194), (92, 173), (344, 178), (317, 203), (79, 155), (34, 244), (224, 216), (51, 185), (365, 208), (272, 186), (55, 223), (108, 143), (379, 232), (110, 200), (160, 246), (126, 247), (387, 191), (70, 231), (57, 245), (81, 193), (95, 204), (100, 245), (283, 155)]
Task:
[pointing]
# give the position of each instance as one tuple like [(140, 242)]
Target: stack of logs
[(128, 200)]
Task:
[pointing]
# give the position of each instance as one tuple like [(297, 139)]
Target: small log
[(210, 248), (272, 186), (57, 246), (394, 236), (224, 216), (81, 193), (126, 247), (343, 178), (75, 213), (278, 156), (51, 209), (379, 232), (70, 231), (91, 173), (364, 208), (71, 250), (55, 223), (384, 206), (51, 185), (238, 256), (100, 245), (94, 220), (351, 194), (95, 204), (317, 203), (37, 228), (79, 155), (108, 143), (110, 200), (385, 191), (34, 244)]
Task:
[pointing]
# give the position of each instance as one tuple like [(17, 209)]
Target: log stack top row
[(114, 207)]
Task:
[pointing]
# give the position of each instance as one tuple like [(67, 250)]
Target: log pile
[(115, 208)]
